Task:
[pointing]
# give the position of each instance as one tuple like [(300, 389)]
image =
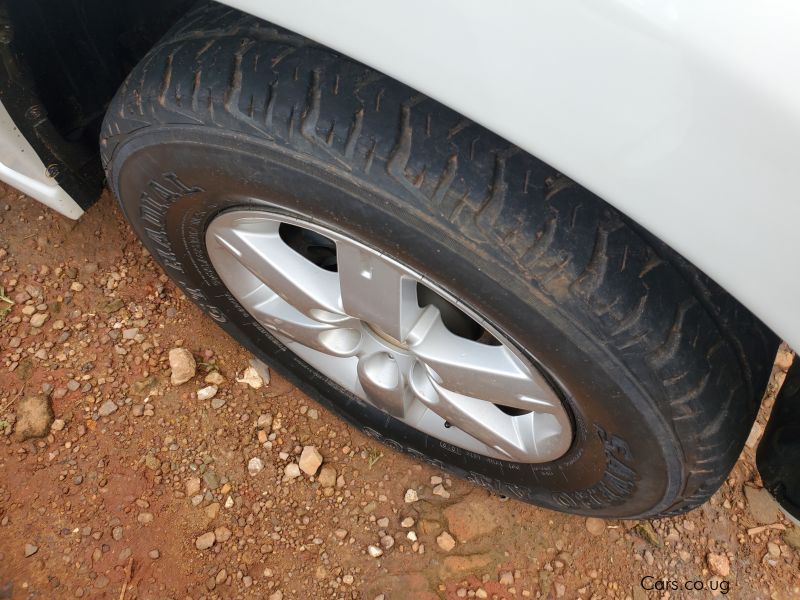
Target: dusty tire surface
[(661, 370)]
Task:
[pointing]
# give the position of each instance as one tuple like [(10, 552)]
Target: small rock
[(251, 377), (217, 403), (107, 408), (205, 541), (327, 476), (214, 378), (761, 505), (291, 471), (145, 518), (222, 534), (192, 486), (34, 417), (310, 460), (207, 392), (58, 425), (276, 595), (445, 541), (117, 533), (30, 550), (439, 490), (595, 526), (407, 522), (374, 551), (719, 564), (506, 578), (182, 364), (38, 319), (255, 465), (154, 554), (387, 541), (411, 496), (264, 421)]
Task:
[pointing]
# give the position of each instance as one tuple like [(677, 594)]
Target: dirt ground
[(142, 490)]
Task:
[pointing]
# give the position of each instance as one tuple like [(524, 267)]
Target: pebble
[(407, 522), (595, 526), (117, 533), (445, 541), (205, 541), (719, 564), (255, 465), (374, 551), (292, 471), (761, 505), (207, 392), (411, 496), (440, 491), (38, 319), (30, 550), (251, 377), (217, 403), (214, 378), (182, 364), (192, 486), (107, 408), (58, 425), (154, 554), (34, 417), (222, 534), (310, 460), (327, 476)]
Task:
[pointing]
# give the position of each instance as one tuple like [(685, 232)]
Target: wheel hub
[(389, 336)]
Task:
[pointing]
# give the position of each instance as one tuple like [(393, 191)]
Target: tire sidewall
[(172, 181)]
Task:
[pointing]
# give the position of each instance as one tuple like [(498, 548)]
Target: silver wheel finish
[(362, 326)]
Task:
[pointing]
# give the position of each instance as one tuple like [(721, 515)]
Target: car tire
[(659, 371)]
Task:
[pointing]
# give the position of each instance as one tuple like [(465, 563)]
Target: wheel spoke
[(257, 245), (384, 383), (482, 420), (279, 316), (481, 371), (377, 290)]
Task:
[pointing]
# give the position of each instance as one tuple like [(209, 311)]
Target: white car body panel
[(684, 114), (21, 167)]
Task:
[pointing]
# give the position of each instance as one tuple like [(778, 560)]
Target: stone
[(34, 417), (205, 541), (374, 551), (117, 533), (327, 476), (145, 518), (251, 377), (38, 319), (255, 465), (211, 479), (264, 421), (407, 522), (214, 378), (506, 578), (154, 554), (30, 550), (439, 490), (473, 517), (310, 460), (192, 486), (207, 392), (719, 564), (211, 511), (411, 496), (107, 408), (58, 425), (222, 534), (217, 403), (762, 505), (445, 541), (182, 364), (291, 471), (595, 526), (792, 537)]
